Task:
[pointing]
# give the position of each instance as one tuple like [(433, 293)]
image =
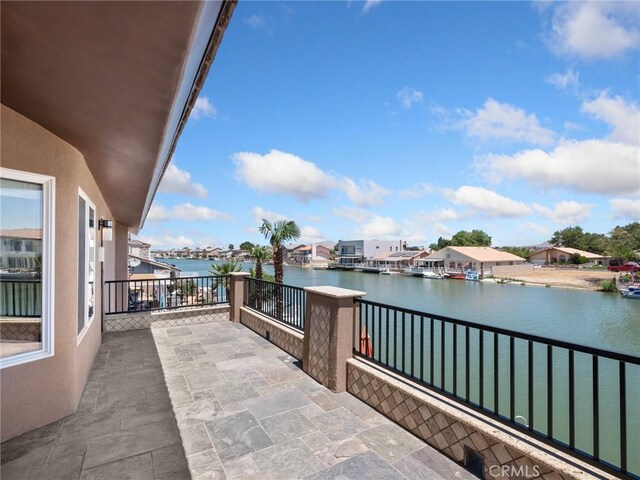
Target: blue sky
[(411, 120)]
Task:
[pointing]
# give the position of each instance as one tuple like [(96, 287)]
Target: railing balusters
[(596, 408), (623, 417), (549, 391), (496, 375), (572, 402), (455, 360), (530, 384), (442, 358), (481, 369), (512, 379), (467, 363)]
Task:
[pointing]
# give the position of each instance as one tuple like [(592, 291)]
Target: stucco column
[(236, 294), (328, 334)]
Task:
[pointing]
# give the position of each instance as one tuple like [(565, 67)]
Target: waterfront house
[(139, 249), (555, 255), (20, 249), (94, 98), (150, 268), (396, 261), (480, 259), (354, 252)]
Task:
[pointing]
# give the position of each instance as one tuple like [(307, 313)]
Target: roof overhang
[(117, 80)]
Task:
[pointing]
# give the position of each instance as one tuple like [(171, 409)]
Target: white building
[(353, 252), (480, 259)]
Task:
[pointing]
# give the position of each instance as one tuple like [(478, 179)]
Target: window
[(86, 262), (27, 206)]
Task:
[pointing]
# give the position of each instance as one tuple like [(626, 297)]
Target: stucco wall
[(39, 392)]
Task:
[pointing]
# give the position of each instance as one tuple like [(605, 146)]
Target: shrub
[(607, 286)]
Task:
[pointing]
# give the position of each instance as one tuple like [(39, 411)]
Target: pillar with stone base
[(236, 294), (330, 317)]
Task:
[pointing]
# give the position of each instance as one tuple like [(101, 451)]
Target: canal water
[(602, 320)]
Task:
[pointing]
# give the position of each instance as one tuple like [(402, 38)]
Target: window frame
[(47, 329), (88, 320)]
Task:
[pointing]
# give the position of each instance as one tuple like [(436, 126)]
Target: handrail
[(519, 379), (284, 303)]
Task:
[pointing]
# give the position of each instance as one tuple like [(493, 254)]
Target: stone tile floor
[(215, 401)]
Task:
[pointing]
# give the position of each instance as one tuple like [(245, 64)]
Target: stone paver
[(215, 401)]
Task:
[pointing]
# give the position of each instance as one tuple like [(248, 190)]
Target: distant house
[(321, 252), (20, 249), (139, 249), (552, 255), (300, 254), (352, 252), (146, 266), (480, 259), (396, 260)]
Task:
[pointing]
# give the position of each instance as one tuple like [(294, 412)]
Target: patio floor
[(215, 401)]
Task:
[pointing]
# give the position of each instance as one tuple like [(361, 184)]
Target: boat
[(633, 293), (456, 275), (472, 275), (388, 271), (431, 275)]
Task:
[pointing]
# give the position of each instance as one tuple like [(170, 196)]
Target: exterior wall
[(286, 338), (42, 391), (171, 318), (553, 255), (512, 269), (451, 429), (459, 258), (365, 249)]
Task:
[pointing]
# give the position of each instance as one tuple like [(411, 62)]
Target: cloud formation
[(504, 122), (565, 212), (185, 212), (623, 116), (590, 166), (626, 208), (562, 81), (378, 227), (176, 180), (203, 108), (369, 4), (594, 30), (409, 96), (487, 202)]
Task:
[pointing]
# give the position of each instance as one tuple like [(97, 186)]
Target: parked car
[(625, 267)]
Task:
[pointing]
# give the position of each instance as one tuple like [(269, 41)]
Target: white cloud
[(285, 173), (310, 235), (623, 116), (563, 81), (288, 174), (486, 201), (157, 212), (443, 215), (369, 4), (357, 215), (409, 96), (168, 241), (595, 29), (590, 166), (259, 213), (255, 21), (501, 121), (176, 180), (627, 208), (186, 212), (417, 191), (536, 228), (566, 212), (378, 227), (366, 194), (203, 108)]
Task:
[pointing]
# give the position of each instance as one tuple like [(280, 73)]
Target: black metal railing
[(20, 298), (583, 400), (128, 296), (284, 303)]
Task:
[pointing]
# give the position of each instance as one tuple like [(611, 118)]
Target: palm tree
[(278, 233), (260, 254), (223, 270)]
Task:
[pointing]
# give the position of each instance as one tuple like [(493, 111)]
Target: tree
[(577, 259), (440, 244), (277, 233), (523, 252), (570, 237), (260, 254), (247, 246), (223, 270), (231, 246)]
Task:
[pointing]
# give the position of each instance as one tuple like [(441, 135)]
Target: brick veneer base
[(168, 318), (449, 428), (284, 337)]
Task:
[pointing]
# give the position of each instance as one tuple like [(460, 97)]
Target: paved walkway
[(237, 407)]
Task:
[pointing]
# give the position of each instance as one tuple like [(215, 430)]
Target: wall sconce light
[(107, 229)]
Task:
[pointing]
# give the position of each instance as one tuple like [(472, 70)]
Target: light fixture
[(107, 228)]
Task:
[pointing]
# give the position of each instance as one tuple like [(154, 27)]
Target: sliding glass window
[(26, 266)]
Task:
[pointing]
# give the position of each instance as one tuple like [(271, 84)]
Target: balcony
[(215, 388)]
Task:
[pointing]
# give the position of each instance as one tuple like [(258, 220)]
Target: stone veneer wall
[(284, 337), (319, 336), (449, 428), (168, 318)]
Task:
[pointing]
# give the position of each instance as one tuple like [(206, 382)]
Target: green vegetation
[(473, 238), (622, 243), (608, 286), (277, 233), (225, 268), (247, 246), (577, 259), (260, 254), (522, 252)]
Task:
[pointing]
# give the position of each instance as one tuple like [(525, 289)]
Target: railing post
[(236, 294), (330, 316)]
